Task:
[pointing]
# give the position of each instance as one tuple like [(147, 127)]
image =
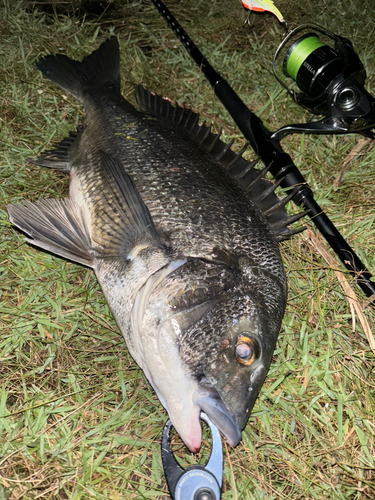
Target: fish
[(183, 235)]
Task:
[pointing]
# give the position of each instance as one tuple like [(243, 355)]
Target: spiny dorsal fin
[(281, 229), (251, 179)]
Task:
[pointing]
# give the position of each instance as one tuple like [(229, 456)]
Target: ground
[(78, 419)]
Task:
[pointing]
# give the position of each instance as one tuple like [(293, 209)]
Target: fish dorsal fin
[(249, 178), (128, 223), (58, 226)]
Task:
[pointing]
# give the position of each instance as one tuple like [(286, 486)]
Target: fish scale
[(167, 216), (190, 180)]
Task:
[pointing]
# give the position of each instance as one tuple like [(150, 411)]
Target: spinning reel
[(330, 78), (330, 81)]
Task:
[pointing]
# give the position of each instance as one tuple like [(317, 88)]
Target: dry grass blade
[(351, 156), (355, 306)]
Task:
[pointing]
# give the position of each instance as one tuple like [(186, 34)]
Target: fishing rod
[(267, 146)]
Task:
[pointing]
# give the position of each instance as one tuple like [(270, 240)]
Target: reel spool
[(312, 65), (330, 78)]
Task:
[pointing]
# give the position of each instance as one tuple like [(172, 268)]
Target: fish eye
[(246, 350)]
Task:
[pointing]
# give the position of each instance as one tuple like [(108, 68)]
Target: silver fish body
[(189, 264)]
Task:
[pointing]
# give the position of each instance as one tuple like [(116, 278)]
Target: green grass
[(77, 418)]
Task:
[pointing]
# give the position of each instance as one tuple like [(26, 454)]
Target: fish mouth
[(209, 401)]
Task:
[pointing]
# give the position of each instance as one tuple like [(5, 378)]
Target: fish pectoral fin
[(131, 227), (55, 225), (59, 156)]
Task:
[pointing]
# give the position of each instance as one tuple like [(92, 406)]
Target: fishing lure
[(263, 6)]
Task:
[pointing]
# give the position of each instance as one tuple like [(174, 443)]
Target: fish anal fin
[(57, 226), (121, 231), (59, 156)]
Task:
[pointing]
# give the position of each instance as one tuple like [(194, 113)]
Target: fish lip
[(210, 402)]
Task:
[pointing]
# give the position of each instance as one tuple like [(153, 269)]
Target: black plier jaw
[(195, 482)]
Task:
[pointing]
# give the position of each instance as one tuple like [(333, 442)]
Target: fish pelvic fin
[(100, 67), (58, 226), (128, 224), (120, 229), (249, 178)]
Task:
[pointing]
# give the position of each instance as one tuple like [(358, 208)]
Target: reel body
[(330, 80)]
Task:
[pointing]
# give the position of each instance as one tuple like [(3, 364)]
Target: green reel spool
[(311, 64), (299, 52)]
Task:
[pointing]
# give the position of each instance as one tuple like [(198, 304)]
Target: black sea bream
[(164, 213)]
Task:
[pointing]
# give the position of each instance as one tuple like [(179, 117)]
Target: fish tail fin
[(100, 67)]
